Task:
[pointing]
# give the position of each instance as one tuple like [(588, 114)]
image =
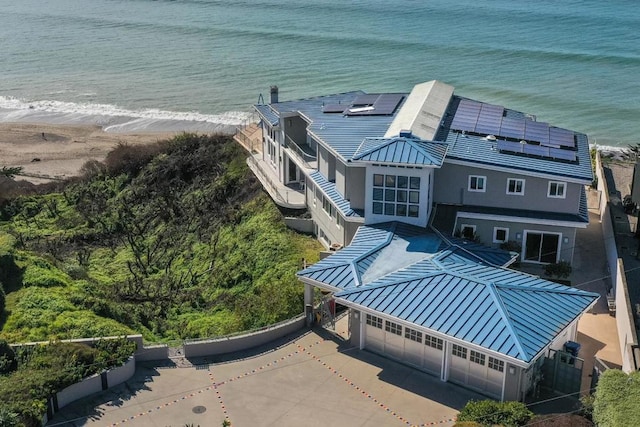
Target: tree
[(8, 362)]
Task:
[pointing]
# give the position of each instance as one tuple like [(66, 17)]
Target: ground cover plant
[(173, 240)]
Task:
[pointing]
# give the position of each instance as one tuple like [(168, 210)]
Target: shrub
[(560, 269), (490, 412), (616, 399), (8, 361)]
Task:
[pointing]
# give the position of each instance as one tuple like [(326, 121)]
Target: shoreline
[(55, 151), (49, 152)]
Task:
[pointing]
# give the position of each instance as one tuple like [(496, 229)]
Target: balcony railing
[(306, 157), (282, 194)]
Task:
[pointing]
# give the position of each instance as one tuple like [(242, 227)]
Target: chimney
[(274, 94)]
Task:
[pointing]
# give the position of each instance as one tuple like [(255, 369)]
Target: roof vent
[(405, 133), (490, 137), (522, 141)]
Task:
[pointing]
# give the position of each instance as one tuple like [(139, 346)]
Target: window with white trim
[(459, 351), (396, 195), (413, 335), (477, 357), (374, 321), (556, 189), (477, 183), (392, 327), (515, 186), (327, 206), (500, 234), (496, 364), (434, 342)]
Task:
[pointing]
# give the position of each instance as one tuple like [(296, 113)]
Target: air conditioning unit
[(335, 247)]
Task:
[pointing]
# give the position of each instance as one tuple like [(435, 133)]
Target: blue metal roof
[(514, 320), (392, 251), (329, 189), (343, 133), (477, 149), (267, 114), (452, 287), (401, 150)]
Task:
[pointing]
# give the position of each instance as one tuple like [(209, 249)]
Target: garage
[(410, 345), (476, 370)]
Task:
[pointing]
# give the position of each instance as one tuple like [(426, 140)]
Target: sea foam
[(116, 119)]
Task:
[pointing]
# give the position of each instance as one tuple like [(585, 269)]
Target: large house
[(416, 193)]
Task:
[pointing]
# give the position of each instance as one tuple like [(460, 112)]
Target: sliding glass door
[(541, 247)]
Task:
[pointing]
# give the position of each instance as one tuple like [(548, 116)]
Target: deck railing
[(303, 155)]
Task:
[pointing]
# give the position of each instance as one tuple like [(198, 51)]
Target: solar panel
[(562, 137), (512, 147), (536, 131), (334, 108), (368, 99), (496, 110), (466, 116), (489, 125), (512, 128), (387, 103), (536, 150), (558, 153)]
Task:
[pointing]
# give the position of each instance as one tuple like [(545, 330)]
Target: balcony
[(288, 196), (304, 155)]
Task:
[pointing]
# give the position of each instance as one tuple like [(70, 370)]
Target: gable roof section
[(400, 150), (517, 321)]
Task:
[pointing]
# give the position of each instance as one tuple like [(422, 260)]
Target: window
[(477, 183), (392, 327), (374, 321), (413, 335), (459, 351), (340, 221), (476, 357), (396, 195), (496, 364), (515, 186), (467, 231), (500, 235), (556, 190), (327, 206), (433, 342)]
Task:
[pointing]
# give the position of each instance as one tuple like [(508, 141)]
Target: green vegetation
[(172, 240), (45, 369), (491, 413), (616, 399)]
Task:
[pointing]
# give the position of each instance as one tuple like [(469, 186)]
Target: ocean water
[(200, 64)]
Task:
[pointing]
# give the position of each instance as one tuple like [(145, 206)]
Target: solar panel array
[(367, 105), (487, 119), (537, 150)]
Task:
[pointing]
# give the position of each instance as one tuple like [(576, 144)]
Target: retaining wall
[(300, 224), (245, 341), (627, 334)]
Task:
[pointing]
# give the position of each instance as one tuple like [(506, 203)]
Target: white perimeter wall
[(627, 334)]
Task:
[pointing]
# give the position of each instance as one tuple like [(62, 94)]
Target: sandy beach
[(46, 151)]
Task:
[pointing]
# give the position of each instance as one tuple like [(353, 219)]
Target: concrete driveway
[(311, 379)]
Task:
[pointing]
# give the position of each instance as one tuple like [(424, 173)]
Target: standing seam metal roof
[(401, 151), (329, 189)]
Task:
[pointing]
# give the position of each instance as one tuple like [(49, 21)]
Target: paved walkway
[(314, 379)]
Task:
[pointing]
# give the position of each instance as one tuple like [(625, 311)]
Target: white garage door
[(473, 369), (374, 334)]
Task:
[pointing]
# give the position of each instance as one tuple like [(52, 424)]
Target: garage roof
[(451, 287)]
